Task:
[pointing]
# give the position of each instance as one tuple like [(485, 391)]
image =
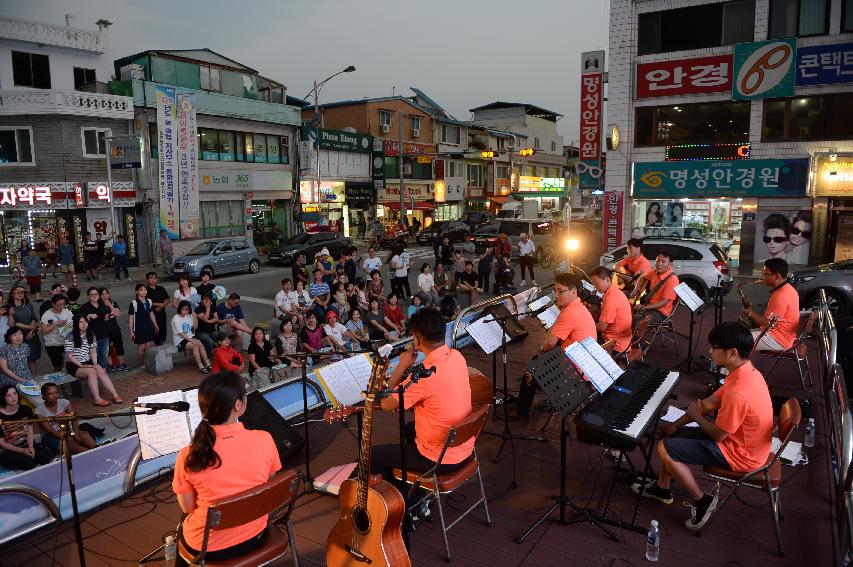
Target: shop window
[(30, 70), (209, 78), (260, 148), (828, 117), (94, 142), (391, 167), (226, 146), (83, 77), (847, 16), (696, 27), (222, 218), (385, 119), (475, 175), (16, 146), (705, 123), (153, 139), (249, 147), (284, 149), (420, 170), (209, 148), (454, 169), (798, 18), (273, 149), (240, 146), (503, 171)]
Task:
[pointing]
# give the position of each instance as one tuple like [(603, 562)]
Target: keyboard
[(620, 418)]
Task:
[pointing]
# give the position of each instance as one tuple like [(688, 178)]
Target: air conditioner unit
[(416, 132), (386, 128), (132, 71)]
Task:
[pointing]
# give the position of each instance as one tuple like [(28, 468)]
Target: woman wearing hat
[(323, 262)]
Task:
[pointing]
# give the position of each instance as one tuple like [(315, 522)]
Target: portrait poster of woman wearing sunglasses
[(783, 234)]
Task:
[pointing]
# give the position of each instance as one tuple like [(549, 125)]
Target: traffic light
[(526, 152), (488, 154)]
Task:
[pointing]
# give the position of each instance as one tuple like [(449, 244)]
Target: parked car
[(476, 219), (538, 229), (483, 236), (308, 244), (455, 230), (835, 279), (218, 257), (698, 263)]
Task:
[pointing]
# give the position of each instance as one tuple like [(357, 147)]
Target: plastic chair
[(767, 477), (798, 352), (278, 492)]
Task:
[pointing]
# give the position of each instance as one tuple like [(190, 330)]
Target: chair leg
[(774, 509), (292, 543), (772, 368), (483, 495), (808, 370), (674, 340), (443, 525), (800, 370)]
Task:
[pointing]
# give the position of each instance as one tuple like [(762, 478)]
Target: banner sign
[(455, 187), (592, 96), (528, 183), (834, 178), (416, 192), (714, 179), (614, 203), (825, 64), (188, 166), (126, 152), (440, 191), (685, 76), (378, 162), (167, 135), (345, 141), (392, 148), (764, 69)]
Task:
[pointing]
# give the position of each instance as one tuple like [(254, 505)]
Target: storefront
[(324, 206), (361, 202), (833, 208), (738, 204), (449, 195), (548, 192), (418, 200), (41, 213)]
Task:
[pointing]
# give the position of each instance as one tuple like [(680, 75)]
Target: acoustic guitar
[(369, 531)]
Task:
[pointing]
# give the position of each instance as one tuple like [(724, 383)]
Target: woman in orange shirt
[(214, 466)]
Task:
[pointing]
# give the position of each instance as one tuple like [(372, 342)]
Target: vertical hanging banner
[(167, 135), (614, 202), (187, 166), (592, 98)]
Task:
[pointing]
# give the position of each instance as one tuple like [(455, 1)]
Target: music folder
[(688, 296), (597, 366), (488, 333), (345, 380), (166, 431)]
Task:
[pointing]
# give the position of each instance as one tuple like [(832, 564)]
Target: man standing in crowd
[(120, 258), (159, 298), (526, 253), (90, 256)]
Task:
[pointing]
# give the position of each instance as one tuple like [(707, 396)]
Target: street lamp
[(316, 91)]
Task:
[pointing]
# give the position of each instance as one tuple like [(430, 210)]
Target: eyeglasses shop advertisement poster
[(783, 234)]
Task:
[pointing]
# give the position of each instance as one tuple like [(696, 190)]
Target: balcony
[(49, 34), (65, 102)]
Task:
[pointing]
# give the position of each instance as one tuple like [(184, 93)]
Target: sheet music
[(166, 431), (549, 316), (588, 286), (345, 380), (194, 414), (487, 332), (600, 355), (521, 300), (673, 414), (590, 367), (688, 296), (541, 302)]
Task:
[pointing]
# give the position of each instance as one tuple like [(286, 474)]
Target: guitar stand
[(566, 390)]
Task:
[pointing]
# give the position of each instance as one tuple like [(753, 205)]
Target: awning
[(419, 205), (499, 199)]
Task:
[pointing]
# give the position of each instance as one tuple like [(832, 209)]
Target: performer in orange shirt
[(615, 318), (634, 264), (784, 303), (574, 324), (661, 288)]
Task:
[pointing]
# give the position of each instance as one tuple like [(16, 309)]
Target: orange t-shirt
[(616, 312), (784, 302), (746, 414), (666, 291), (635, 266), (574, 324), (440, 400), (234, 444)]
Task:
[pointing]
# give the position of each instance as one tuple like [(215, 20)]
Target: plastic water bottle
[(808, 441), (170, 551), (653, 542)]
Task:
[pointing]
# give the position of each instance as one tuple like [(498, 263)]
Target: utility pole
[(400, 158), (317, 137)]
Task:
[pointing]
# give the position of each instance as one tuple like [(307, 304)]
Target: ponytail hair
[(217, 395)]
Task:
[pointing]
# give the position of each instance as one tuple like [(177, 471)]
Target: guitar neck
[(364, 456)]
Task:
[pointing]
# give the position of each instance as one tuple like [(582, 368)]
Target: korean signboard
[(614, 202), (834, 178), (764, 69), (345, 141), (328, 192), (825, 64), (685, 76), (416, 192), (455, 188), (714, 179), (126, 152), (167, 138), (98, 194), (440, 191), (592, 95), (188, 189), (529, 183), (378, 163), (392, 148)]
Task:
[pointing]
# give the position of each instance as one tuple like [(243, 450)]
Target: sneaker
[(652, 490), (523, 282), (701, 512), (116, 280), (205, 370), (533, 283), (123, 368)]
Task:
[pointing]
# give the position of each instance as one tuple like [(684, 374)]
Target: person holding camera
[(55, 327)]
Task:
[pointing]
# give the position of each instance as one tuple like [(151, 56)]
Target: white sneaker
[(533, 283), (523, 282)]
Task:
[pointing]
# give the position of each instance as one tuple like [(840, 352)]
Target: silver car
[(702, 265), (835, 279), (218, 257)]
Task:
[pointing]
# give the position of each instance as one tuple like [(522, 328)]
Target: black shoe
[(701, 511), (652, 490)]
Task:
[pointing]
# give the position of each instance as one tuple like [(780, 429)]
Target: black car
[(456, 231), (476, 219), (309, 244), (484, 236)]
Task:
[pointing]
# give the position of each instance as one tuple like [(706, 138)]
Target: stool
[(158, 359)]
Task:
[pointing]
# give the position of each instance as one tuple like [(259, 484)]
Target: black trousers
[(526, 262), (222, 554), (385, 458), (160, 335), (483, 281), (20, 462), (525, 396)]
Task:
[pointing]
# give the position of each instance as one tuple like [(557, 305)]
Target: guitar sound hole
[(360, 520)]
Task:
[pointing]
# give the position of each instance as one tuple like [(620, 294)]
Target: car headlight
[(192, 263), (803, 279)]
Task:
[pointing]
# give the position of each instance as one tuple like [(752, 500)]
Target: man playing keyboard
[(739, 439)]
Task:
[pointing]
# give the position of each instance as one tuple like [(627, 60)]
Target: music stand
[(566, 389), (693, 302)]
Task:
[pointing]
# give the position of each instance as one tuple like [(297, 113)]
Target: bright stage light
[(572, 244)]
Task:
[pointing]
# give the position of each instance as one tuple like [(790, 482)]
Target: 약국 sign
[(684, 76), (825, 64), (764, 69)]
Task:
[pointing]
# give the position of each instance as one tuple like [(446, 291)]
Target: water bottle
[(808, 441), (653, 542), (170, 551)]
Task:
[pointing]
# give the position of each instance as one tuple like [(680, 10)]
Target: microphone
[(174, 406), (536, 312)]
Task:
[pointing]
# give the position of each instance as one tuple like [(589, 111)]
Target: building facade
[(732, 125), (55, 114)]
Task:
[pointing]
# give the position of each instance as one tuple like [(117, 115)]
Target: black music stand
[(566, 389), (695, 304)]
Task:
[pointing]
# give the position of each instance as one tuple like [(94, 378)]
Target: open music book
[(488, 333), (547, 317), (688, 296), (167, 431), (345, 380), (598, 366)]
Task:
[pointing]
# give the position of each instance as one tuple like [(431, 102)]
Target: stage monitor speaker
[(261, 415), (513, 328)]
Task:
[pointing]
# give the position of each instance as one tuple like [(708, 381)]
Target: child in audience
[(341, 301), (224, 356)]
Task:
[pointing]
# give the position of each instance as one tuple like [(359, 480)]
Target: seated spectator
[(449, 308), (54, 406), (19, 449), (183, 324), (468, 282), (205, 315), (426, 286), (80, 355), (363, 301), (14, 358), (287, 302), (225, 358), (73, 296), (4, 315), (184, 292), (458, 268), (356, 328), (394, 318), (440, 280), (341, 303), (312, 337), (231, 315), (206, 286), (55, 326), (320, 295), (376, 288), (287, 343), (350, 266), (338, 335), (376, 325), (416, 305), (260, 351), (352, 297), (303, 299), (55, 289)]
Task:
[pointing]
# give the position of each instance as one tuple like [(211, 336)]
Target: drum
[(286, 397)]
